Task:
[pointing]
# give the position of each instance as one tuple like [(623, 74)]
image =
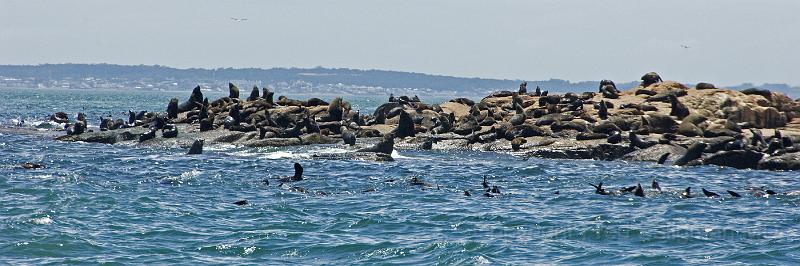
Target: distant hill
[(369, 78)]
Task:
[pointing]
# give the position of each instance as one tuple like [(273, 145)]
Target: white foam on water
[(190, 174), (42, 220), (397, 155), (42, 176), (283, 155)]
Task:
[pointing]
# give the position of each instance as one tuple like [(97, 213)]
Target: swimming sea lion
[(687, 193), (655, 185), (663, 158), (639, 191), (32, 165), (709, 193), (298, 174), (599, 189), (734, 194), (197, 147)]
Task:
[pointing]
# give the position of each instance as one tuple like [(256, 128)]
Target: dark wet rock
[(605, 152), (654, 153), (789, 161), (742, 159), (590, 136)]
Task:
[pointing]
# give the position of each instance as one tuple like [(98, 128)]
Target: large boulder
[(741, 159), (789, 161)]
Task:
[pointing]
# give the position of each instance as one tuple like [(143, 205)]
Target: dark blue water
[(98, 203)]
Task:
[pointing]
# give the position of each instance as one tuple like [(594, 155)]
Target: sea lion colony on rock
[(642, 123)]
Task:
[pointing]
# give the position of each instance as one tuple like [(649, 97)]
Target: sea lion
[(77, 128), (693, 152), (150, 134), (197, 147), (253, 94), (663, 158), (615, 138), (655, 185), (599, 189), (687, 193), (60, 117), (466, 193), (348, 137), (734, 194), (298, 174), (268, 95), (679, 110), (172, 108), (517, 143), (523, 88), (385, 146), (709, 193), (637, 142), (241, 202), (169, 131), (485, 182), (602, 110), (650, 78), (405, 127), (195, 99), (104, 123), (639, 191), (606, 82), (32, 166), (233, 91)]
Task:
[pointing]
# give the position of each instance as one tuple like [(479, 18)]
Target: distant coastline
[(292, 80)]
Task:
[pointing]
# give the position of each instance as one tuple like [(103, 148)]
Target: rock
[(789, 161), (689, 130), (590, 136), (660, 123), (741, 159), (653, 153)]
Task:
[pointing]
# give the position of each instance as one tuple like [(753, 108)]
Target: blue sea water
[(97, 203)]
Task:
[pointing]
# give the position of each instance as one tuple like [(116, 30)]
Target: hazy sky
[(731, 41)]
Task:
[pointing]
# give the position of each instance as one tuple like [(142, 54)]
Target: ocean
[(98, 203)]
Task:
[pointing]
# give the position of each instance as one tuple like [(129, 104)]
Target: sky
[(730, 41)]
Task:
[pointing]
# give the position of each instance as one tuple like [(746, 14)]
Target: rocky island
[(659, 121)]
